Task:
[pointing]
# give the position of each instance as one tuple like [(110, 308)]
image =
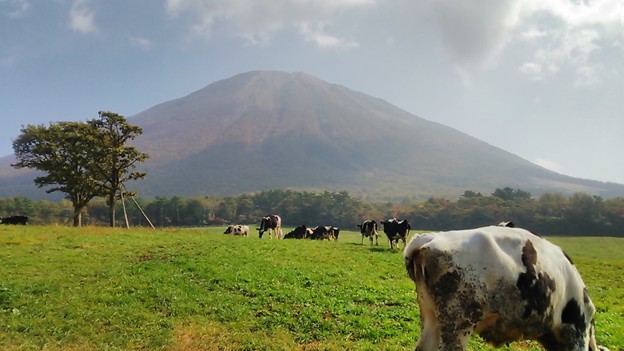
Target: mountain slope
[(265, 130)]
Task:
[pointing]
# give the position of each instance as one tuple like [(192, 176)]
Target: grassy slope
[(102, 289)]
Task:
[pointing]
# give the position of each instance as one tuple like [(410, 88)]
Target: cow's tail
[(413, 255)]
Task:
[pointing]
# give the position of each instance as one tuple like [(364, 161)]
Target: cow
[(396, 230), (334, 232), (322, 232), (369, 228), (507, 224), (300, 232), (505, 284), (237, 229), (272, 224), (14, 220)]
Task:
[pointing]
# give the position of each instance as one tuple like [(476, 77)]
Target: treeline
[(553, 214)]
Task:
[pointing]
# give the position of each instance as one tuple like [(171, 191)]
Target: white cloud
[(548, 164), (141, 43), (258, 21), (533, 70), (572, 37), (317, 35), (16, 8), (562, 34), (81, 18)]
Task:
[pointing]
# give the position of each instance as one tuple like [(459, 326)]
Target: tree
[(82, 160), (117, 160), (63, 151)]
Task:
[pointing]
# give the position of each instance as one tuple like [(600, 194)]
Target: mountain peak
[(264, 130)]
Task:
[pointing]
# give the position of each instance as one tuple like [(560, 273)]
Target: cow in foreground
[(14, 220), (396, 230), (272, 224), (237, 229), (505, 284), (369, 229)]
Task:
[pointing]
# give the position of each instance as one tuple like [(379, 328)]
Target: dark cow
[(14, 220), (334, 232), (237, 229), (369, 229), (507, 224), (272, 224), (322, 233), (396, 230), (505, 284), (300, 232)]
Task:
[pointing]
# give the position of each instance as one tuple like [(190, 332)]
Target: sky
[(542, 79)]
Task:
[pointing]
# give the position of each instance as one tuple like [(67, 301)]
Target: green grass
[(196, 289)]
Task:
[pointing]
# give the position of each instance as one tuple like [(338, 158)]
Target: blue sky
[(543, 79)]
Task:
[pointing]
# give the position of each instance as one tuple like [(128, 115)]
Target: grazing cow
[(14, 220), (334, 232), (507, 224), (321, 233), (505, 284), (300, 232), (369, 228), (272, 224), (396, 230), (237, 229)]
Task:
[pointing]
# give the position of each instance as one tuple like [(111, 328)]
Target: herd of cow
[(394, 229), (14, 220), (501, 282)]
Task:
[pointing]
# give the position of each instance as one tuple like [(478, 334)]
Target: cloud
[(316, 34), (548, 164), (258, 21), (571, 38), (17, 8), (141, 43), (475, 30), (81, 18), (560, 34)]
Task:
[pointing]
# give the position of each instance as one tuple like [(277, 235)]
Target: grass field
[(196, 289)]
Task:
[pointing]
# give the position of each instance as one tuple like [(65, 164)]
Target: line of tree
[(550, 213), (83, 160)]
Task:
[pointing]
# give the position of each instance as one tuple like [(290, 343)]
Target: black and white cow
[(14, 220), (396, 230), (323, 233), (272, 224), (505, 284), (300, 232), (334, 232), (237, 229), (369, 229)]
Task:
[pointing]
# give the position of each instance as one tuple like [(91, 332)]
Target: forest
[(549, 214)]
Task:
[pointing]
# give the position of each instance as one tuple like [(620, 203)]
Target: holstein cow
[(323, 232), (396, 230), (334, 232), (298, 233), (237, 229), (369, 228), (14, 220), (505, 284), (272, 224)]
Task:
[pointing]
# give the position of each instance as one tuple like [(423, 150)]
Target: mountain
[(266, 130)]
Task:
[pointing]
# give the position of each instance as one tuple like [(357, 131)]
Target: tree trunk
[(77, 216), (111, 210)]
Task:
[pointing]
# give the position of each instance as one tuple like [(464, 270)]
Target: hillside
[(263, 130)]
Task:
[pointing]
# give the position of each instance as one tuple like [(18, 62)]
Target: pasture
[(197, 289)]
